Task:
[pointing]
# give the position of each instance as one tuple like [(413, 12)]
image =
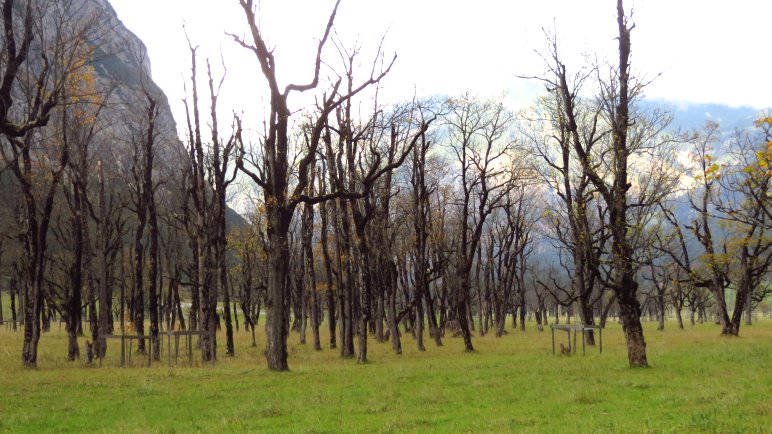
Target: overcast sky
[(706, 50)]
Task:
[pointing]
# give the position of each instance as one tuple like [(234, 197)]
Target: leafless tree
[(271, 171), (480, 142), (30, 90), (609, 171)]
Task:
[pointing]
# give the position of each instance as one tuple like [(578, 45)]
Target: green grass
[(698, 382)]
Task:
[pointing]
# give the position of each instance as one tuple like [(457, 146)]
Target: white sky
[(707, 50)]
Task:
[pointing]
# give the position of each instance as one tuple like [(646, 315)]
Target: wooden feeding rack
[(11, 324), (175, 334), (130, 338), (568, 328), (188, 334)]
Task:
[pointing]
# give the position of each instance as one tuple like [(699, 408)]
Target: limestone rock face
[(122, 66), (121, 57)]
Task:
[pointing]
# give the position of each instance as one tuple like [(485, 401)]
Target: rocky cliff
[(122, 66), (121, 57)]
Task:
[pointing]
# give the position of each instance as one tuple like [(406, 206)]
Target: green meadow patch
[(698, 382)]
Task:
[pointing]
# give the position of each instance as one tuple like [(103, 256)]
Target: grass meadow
[(698, 382)]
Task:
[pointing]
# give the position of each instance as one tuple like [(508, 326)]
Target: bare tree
[(209, 176), (479, 140), (29, 91), (609, 173), (745, 192), (271, 172)]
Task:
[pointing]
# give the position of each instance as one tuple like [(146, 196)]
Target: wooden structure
[(130, 338), (568, 328), (176, 334), (169, 335), (11, 324), (188, 334)]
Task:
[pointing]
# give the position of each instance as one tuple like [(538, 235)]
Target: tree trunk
[(153, 276), (324, 230), (587, 318), (462, 292), (302, 321), (277, 322), (630, 312), (537, 315), (379, 312), (235, 312), (76, 279), (347, 294), (501, 318), (367, 287), (310, 275), (434, 327), (14, 291), (207, 314), (722, 314), (391, 311), (92, 317), (748, 310), (362, 338), (480, 325), (178, 304), (521, 302), (32, 308), (661, 312), (743, 294), (315, 318), (229, 348), (138, 302)]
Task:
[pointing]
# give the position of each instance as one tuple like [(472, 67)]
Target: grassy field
[(698, 382)]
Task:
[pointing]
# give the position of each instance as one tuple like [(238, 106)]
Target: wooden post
[(600, 338), (123, 328), (553, 339), (574, 347), (104, 311)]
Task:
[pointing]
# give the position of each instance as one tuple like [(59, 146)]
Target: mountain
[(121, 62), (690, 116)]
